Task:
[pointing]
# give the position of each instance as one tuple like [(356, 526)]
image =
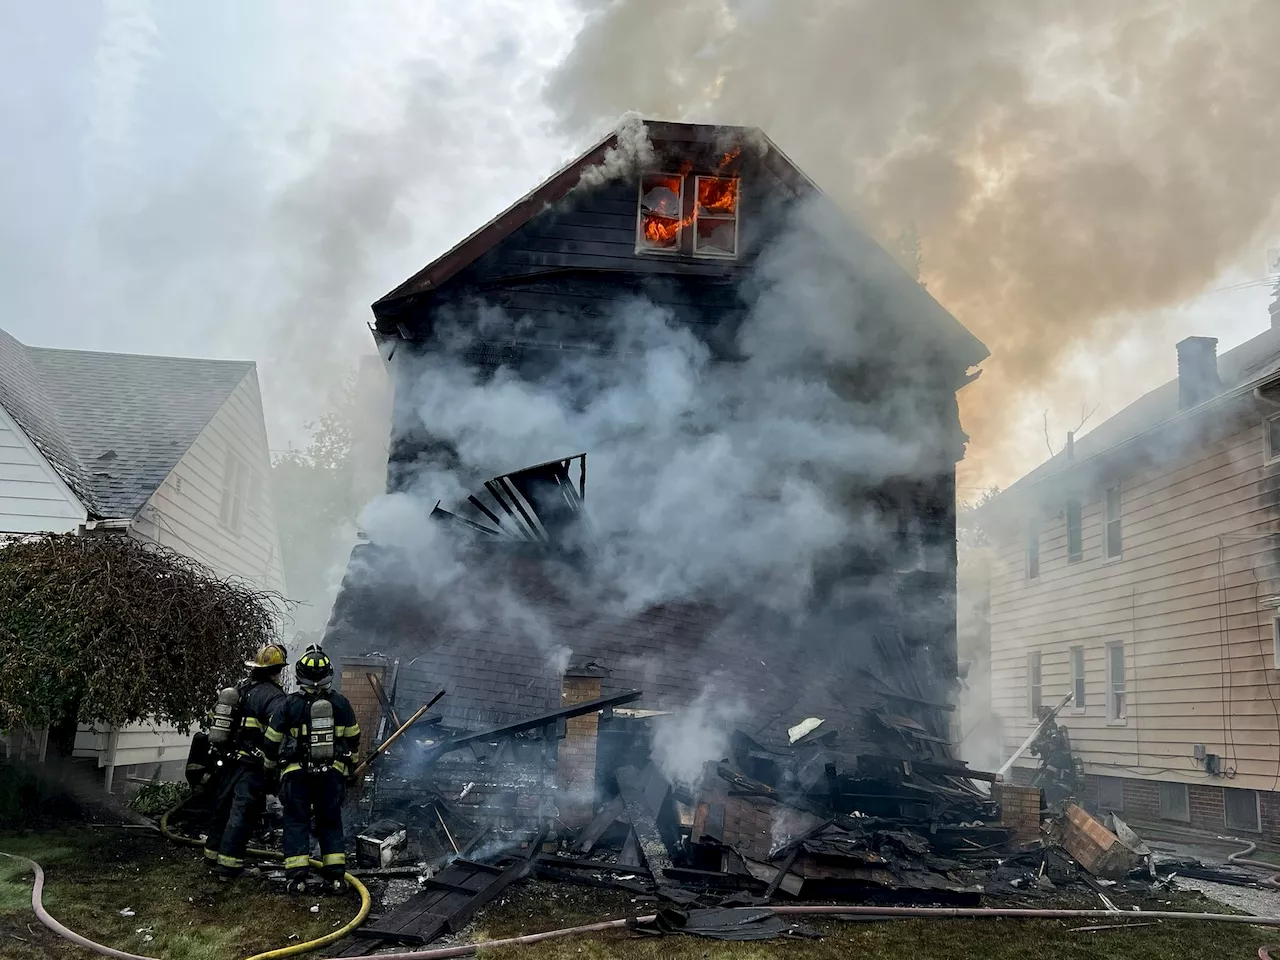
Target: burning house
[(763, 552)]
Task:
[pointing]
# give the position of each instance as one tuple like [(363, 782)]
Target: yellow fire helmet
[(269, 655)]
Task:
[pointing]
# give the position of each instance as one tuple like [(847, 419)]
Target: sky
[(242, 179)]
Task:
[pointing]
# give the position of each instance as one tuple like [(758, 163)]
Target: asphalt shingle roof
[(113, 425)]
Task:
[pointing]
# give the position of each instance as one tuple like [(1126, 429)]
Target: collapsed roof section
[(540, 504)]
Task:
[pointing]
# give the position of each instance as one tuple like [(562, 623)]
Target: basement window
[(1110, 793), (715, 217), (1175, 804), (1275, 642), (659, 220), (1242, 811)]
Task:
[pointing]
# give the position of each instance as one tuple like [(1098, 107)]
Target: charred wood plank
[(597, 828), (630, 855), (533, 723), (642, 800), (783, 870)]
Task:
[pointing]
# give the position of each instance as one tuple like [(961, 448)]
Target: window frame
[(1275, 642), (1256, 827), (1269, 455), (1077, 555), (1080, 702), (737, 217), (1117, 718), (1108, 519), (1161, 812), (674, 249), (1118, 783), (1031, 553), (1035, 683), (236, 483)]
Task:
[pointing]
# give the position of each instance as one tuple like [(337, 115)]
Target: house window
[(1117, 707), (1075, 540), (1033, 549), (1275, 642), (235, 490), (1077, 677), (1272, 429), (1174, 802), (715, 216), (1035, 687), (1111, 527), (1242, 810), (659, 220), (1110, 793)]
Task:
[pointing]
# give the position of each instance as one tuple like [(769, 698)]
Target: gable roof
[(113, 425), (879, 262), (1240, 369)]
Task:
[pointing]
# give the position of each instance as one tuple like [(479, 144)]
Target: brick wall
[(1019, 808), (355, 686), (1207, 804), (1208, 808), (576, 753)]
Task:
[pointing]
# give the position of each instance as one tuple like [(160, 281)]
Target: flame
[(717, 195), (663, 230), (729, 157)]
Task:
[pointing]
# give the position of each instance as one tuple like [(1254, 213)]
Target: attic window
[(659, 222), (716, 217)]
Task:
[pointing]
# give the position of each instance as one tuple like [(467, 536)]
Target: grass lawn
[(540, 906), (93, 873)]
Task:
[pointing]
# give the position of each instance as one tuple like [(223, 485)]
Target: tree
[(316, 507), (112, 630)]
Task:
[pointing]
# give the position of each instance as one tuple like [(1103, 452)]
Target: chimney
[(576, 753), (1071, 445), (1275, 308), (1197, 371)]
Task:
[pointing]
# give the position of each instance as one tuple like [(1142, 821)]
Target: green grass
[(539, 906), (91, 874)]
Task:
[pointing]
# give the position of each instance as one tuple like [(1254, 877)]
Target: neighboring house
[(166, 449), (1138, 569), (535, 288)]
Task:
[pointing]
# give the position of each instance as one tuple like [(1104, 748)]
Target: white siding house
[(171, 450)]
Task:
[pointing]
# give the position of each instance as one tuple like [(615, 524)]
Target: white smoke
[(685, 742)]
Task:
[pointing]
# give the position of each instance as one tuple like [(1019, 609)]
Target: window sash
[(1271, 433), (716, 217), (1077, 677), (1112, 532), (1117, 705), (1075, 537), (1033, 550), (1035, 684)]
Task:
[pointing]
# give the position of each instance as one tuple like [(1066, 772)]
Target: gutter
[(114, 524)]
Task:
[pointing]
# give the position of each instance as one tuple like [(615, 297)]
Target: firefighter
[(314, 737), (239, 720)]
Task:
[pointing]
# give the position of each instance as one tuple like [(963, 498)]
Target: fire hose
[(1273, 878), (297, 948), (43, 915), (883, 913)]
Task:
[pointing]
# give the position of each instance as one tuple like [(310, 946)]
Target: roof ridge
[(137, 356)]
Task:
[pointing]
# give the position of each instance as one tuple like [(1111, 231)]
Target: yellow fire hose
[(297, 948)]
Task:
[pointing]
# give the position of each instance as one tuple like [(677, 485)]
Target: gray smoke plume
[(1065, 164)]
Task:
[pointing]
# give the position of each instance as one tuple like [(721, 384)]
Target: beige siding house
[(166, 449), (1139, 570)]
